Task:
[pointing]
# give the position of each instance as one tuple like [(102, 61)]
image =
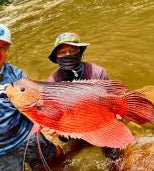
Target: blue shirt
[(14, 127)]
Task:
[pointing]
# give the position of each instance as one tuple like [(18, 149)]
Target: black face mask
[(69, 62), (75, 74)]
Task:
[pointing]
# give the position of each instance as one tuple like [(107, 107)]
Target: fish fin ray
[(45, 164), (115, 135), (114, 87), (111, 86), (35, 129), (70, 135), (139, 109)]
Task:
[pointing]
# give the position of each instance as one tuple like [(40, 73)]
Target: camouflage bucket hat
[(67, 38)]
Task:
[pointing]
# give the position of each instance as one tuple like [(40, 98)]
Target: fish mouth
[(7, 88)]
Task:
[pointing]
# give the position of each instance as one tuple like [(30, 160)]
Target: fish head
[(23, 93)]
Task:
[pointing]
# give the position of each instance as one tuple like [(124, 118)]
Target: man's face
[(66, 49), (4, 49)]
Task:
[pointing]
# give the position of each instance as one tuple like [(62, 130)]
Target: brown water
[(121, 37), (120, 32)]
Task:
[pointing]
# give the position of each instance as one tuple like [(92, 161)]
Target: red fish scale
[(83, 116)]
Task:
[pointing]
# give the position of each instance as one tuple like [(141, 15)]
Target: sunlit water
[(120, 33)]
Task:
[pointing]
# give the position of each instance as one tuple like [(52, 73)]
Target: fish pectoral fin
[(114, 134), (51, 112)]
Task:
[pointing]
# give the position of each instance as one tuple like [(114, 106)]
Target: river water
[(120, 33)]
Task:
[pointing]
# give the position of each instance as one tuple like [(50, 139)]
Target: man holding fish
[(15, 128), (67, 53), (90, 110)]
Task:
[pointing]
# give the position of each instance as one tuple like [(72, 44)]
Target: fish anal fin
[(115, 135)]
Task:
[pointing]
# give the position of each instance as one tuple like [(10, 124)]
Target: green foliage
[(5, 2)]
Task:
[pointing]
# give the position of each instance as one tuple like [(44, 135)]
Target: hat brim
[(82, 46), (76, 44), (5, 40)]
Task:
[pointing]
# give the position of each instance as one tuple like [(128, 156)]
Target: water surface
[(121, 37), (120, 33)]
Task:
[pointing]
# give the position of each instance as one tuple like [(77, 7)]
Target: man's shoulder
[(93, 66), (13, 71), (55, 77), (94, 71), (11, 66)]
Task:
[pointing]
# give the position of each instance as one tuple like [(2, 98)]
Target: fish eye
[(22, 89)]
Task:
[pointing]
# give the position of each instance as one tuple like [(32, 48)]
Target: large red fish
[(89, 110)]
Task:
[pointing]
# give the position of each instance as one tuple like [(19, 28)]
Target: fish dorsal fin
[(111, 86), (115, 135)]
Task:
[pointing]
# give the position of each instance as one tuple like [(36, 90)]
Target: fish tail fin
[(139, 109)]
